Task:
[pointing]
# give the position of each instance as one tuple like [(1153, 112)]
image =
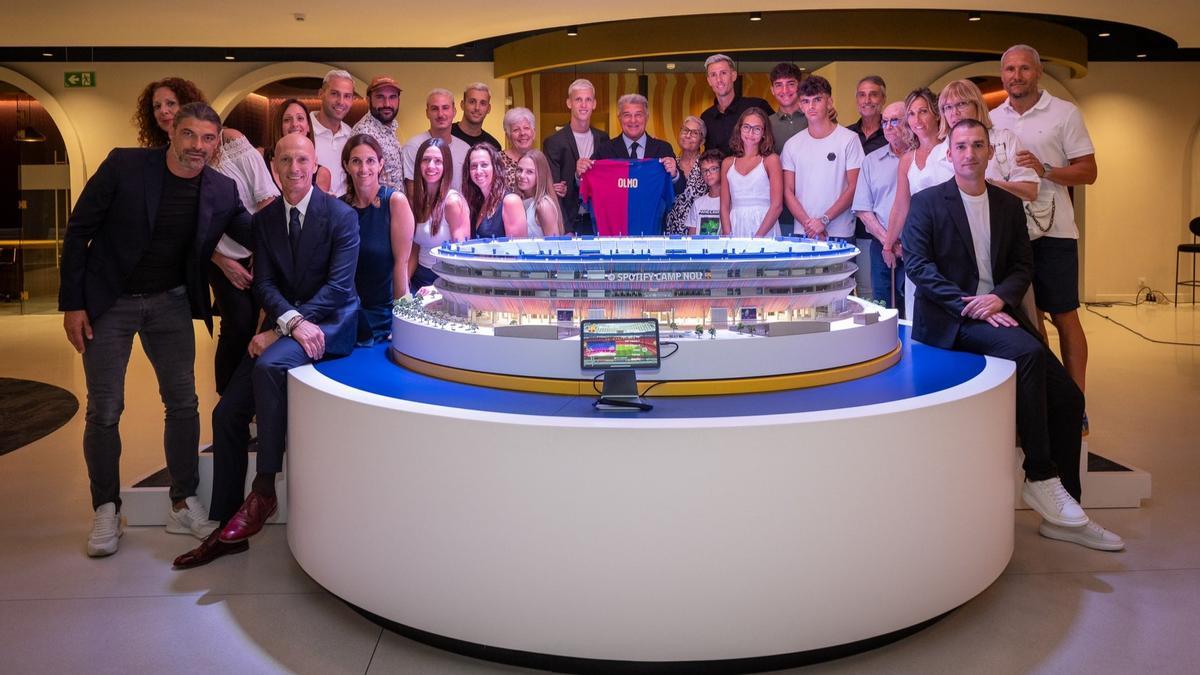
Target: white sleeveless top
[(937, 169), (752, 190), (424, 237), (531, 222)]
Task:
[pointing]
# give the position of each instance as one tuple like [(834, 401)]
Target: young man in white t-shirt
[(820, 167), (704, 215)]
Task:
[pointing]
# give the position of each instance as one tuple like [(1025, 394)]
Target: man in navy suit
[(565, 149), (135, 261), (967, 250), (306, 253), (634, 142)]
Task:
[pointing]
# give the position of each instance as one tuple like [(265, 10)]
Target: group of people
[(307, 243)]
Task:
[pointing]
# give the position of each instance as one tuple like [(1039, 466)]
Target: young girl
[(752, 185), (440, 212), (496, 211), (542, 214), (385, 230)]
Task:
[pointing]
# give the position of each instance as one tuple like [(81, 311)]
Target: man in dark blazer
[(967, 250), (634, 142), (306, 254), (562, 149), (135, 261)]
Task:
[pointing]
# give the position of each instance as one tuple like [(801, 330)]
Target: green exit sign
[(81, 78)]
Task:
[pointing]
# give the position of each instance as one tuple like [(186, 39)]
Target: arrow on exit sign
[(81, 78)]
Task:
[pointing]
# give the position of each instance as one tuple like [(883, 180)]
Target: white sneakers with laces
[(1053, 503), (193, 519), (107, 529), (1090, 535)]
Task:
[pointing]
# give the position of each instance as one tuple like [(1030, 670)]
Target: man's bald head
[(295, 164)]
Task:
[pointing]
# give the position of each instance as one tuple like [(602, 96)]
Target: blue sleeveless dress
[(373, 278)]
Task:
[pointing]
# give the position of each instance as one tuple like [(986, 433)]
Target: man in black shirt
[(722, 115), (135, 260), (871, 98), (476, 104)]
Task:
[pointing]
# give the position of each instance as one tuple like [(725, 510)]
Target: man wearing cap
[(383, 100)]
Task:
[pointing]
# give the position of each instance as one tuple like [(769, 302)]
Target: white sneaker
[(1090, 535), (1053, 503), (193, 519), (107, 529)]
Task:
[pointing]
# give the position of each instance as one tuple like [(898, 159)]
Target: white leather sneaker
[(1053, 503), (1090, 535), (193, 519), (106, 531)]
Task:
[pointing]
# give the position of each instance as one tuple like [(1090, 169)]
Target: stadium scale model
[(748, 314)]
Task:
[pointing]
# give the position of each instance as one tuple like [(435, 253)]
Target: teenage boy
[(704, 216)]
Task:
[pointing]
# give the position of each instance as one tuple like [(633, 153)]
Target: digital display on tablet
[(619, 343)]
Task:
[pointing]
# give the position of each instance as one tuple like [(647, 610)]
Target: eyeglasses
[(893, 122), (752, 129), (956, 107), (688, 131), (711, 169)]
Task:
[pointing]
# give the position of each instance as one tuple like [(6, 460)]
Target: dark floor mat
[(30, 410)]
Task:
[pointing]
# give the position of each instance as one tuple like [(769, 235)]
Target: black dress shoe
[(209, 550)]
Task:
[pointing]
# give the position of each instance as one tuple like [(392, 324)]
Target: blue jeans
[(882, 277), (163, 322)]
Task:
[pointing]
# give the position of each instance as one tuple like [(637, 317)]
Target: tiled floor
[(1057, 608)]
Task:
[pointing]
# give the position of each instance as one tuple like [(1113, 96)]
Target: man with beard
[(383, 100), (330, 133), (135, 261), (476, 104), (1059, 150)]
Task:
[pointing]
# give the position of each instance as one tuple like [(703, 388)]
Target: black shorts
[(1056, 274)]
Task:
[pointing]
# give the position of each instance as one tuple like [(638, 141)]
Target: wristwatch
[(824, 219), (1045, 169)]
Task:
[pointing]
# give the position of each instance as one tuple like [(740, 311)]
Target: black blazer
[(939, 257), (321, 284), (614, 148), (112, 223), (562, 153)]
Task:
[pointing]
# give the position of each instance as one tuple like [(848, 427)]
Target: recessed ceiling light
[(974, 16), (756, 16), (47, 53), (1104, 34), (1141, 56), (631, 69), (670, 66), (230, 57), (573, 31)]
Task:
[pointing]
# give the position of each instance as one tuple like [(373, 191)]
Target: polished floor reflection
[(1057, 608)]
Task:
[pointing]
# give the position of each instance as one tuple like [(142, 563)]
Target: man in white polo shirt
[(439, 108), (820, 167), (329, 130), (1060, 152)]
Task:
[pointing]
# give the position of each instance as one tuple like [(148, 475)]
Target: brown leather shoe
[(209, 550), (250, 518)]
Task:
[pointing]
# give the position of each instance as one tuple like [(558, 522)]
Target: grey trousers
[(163, 322)]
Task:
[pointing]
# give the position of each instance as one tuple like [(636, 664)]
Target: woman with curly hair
[(496, 210), (156, 108)]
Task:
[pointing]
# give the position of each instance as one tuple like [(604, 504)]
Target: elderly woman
[(519, 134), (689, 182)]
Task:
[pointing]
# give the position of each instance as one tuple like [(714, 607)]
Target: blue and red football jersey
[(627, 197)]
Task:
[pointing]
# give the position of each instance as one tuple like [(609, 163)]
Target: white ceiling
[(409, 23)]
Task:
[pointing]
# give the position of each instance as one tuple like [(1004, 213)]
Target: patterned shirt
[(678, 216), (393, 167)]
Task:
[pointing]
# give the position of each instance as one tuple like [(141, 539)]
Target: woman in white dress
[(961, 99), (752, 191), (440, 211), (543, 217)]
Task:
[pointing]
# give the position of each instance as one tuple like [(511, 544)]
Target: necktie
[(294, 232), (633, 148)]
